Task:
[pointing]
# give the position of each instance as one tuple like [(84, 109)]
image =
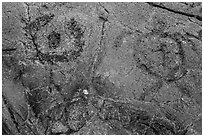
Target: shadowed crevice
[(175, 11)]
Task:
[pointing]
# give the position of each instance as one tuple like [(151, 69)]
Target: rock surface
[(101, 68)]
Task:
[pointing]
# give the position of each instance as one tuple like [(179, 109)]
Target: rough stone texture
[(102, 68)]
